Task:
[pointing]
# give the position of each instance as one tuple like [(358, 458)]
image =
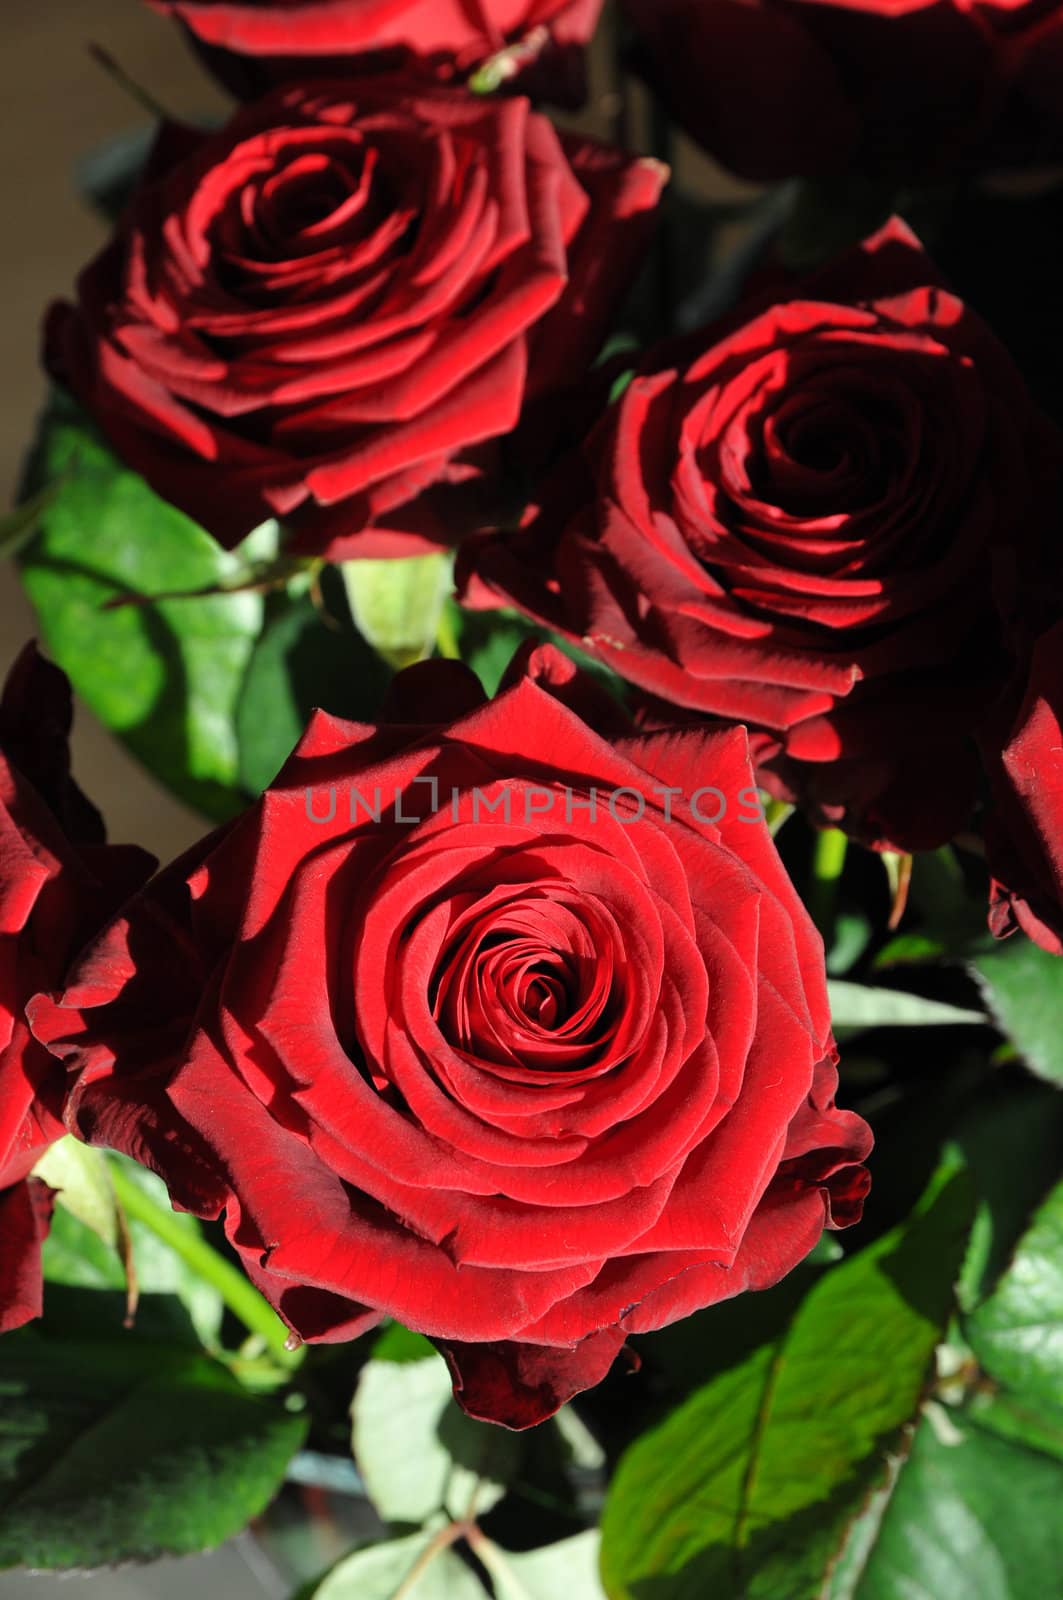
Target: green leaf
[(418, 1453), (847, 1567), (81, 1177), (1038, 1427), (852, 935), (972, 1516), (300, 663), (165, 675), (568, 1568), (19, 526), (1017, 1334), (397, 604), (159, 1269), (76, 1256), (127, 1451), (90, 1240), (1023, 988), (949, 913), (1010, 1139), (582, 1447), (396, 1343), (855, 1006), (381, 1570), (745, 1489), (908, 949), (109, 174), (488, 641)]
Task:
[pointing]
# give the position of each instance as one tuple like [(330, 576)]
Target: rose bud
[(484, 1020), (59, 882), (323, 312), (814, 521)]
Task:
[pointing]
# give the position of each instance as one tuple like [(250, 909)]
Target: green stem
[(240, 1295), (828, 864)]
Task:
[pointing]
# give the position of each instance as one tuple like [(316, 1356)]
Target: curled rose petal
[(813, 520), (1024, 828), (59, 882), (484, 1024), (332, 309), (536, 45)]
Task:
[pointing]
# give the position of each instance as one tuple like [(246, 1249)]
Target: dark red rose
[(548, 1067), (255, 43), (58, 883), (783, 88), (808, 522), (1024, 829), (322, 311)]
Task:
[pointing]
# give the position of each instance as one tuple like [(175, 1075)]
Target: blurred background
[(61, 106)]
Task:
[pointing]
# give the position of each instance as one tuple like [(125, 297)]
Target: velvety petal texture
[(536, 44), (786, 88), (814, 521), (326, 311), (59, 882), (507, 1027), (1024, 829)]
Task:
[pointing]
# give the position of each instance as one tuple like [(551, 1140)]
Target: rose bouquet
[(610, 1022)]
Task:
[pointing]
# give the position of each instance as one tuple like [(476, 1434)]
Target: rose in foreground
[(812, 521), (59, 882), (252, 43), (1024, 830), (784, 88), (323, 311), (541, 1070)]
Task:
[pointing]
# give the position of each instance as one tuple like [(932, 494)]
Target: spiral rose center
[(530, 984)]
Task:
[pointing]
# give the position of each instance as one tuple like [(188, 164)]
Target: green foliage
[(128, 1450), (303, 659), (381, 1570), (211, 686), (166, 675), (1023, 988), (397, 604), (855, 1006), (971, 1516), (417, 1452), (1017, 1333), (746, 1489)]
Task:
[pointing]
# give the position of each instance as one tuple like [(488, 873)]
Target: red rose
[(548, 1067), (782, 88), (1024, 831), (320, 312), (807, 523), (254, 43), (58, 884)]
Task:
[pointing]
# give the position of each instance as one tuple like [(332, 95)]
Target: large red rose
[(810, 522), (253, 43), (1024, 829), (781, 88), (549, 1066), (59, 882), (321, 312)]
